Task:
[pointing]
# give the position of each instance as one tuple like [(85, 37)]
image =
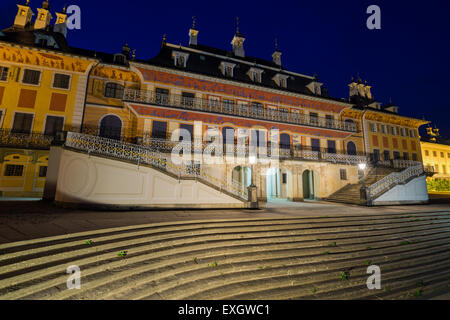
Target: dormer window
[(180, 59), (255, 74), (227, 69), (281, 80), (119, 58)]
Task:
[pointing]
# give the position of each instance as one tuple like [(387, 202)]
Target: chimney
[(43, 17), (238, 42), (276, 56), (61, 22), (193, 34), (24, 15)]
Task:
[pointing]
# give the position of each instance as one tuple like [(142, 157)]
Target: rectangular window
[(376, 155), (402, 132), (189, 128), (257, 109), (411, 133), (61, 81), (434, 154), (396, 155), (329, 121), (214, 103), (159, 130), (315, 145), (260, 137), (313, 118), (393, 132), (42, 171), (284, 178), (53, 125), (427, 153), (373, 127), (442, 155), (343, 174), (242, 108), (4, 73), (31, 76), (228, 106), (284, 114), (405, 155), (331, 146), (162, 96), (383, 129), (414, 156), (386, 155), (13, 170), (188, 99), (22, 123)]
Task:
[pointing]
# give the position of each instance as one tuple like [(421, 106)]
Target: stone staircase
[(351, 192), (291, 258)]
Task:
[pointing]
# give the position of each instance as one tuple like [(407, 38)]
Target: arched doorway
[(242, 176), (111, 127), (351, 148), (309, 180)]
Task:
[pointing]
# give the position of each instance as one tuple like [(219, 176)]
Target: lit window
[(31, 76), (13, 170), (114, 90), (61, 81), (42, 171), (4, 73), (343, 174)]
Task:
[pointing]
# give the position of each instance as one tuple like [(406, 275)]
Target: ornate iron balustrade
[(252, 111), (392, 180), (37, 140), (141, 154)]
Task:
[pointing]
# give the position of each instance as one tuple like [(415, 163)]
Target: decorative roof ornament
[(28, 3), (46, 5), (163, 40), (64, 9), (193, 22), (133, 56), (276, 44), (237, 25)]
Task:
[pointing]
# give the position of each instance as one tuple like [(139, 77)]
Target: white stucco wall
[(96, 180), (415, 191)]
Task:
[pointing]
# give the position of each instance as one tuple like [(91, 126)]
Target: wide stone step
[(162, 258)]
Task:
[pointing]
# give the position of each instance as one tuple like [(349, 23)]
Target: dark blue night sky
[(408, 60)]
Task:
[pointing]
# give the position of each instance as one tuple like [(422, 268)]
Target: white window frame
[(253, 72), (30, 84), (224, 65), (14, 117), (53, 115), (62, 73), (7, 74), (177, 54)]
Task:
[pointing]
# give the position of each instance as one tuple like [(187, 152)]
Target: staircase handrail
[(144, 155)]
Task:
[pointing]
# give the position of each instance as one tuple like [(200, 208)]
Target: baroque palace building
[(47, 86)]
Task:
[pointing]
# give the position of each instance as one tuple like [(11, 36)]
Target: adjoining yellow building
[(436, 154), (42, 92)]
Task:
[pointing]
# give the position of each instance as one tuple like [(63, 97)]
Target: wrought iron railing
[(392, 180), (145, 155), (9, 138), (256, 111)]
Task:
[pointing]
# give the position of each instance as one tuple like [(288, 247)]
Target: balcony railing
[(13, 139), (255, 111)]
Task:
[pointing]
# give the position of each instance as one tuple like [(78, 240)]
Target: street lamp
[(363, 191), (252, 160)]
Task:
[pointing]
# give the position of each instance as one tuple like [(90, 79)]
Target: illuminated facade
[(42, 91), (436, 154), (206, 90)]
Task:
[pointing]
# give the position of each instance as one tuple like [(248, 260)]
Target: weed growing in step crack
[(333, 244), (195, 260), (418, 292), (387, 288), (313, 290), (344, 275), (213, 264), (89, 242), (122, 253), (368, 262), (404, 243)]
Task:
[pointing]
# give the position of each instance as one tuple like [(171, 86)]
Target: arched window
[(228, 135), (351, 148), (111, 127), (114, 90), (285, 141)]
